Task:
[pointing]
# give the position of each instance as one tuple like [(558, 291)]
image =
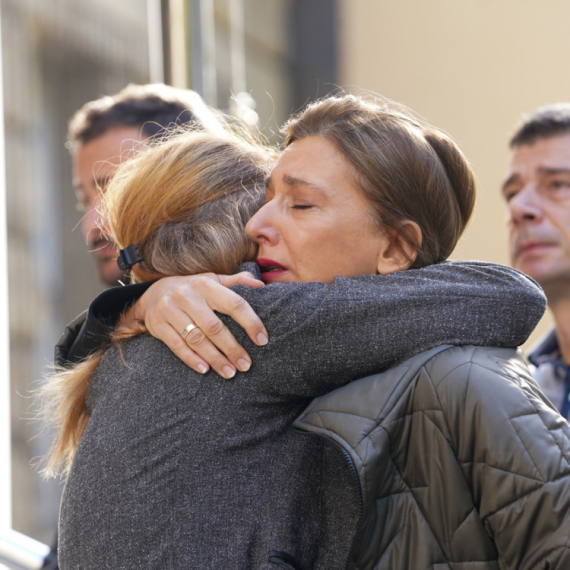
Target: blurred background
[(470, 67)]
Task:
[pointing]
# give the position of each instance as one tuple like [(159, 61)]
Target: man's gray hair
[(543, 123)]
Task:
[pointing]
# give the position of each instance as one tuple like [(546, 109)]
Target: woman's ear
[(400, 254)]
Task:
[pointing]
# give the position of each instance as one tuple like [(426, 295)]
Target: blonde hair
[(405, 168), (184, 200)]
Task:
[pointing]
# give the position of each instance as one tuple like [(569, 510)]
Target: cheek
[(566, 233), (316, 239), (89, 221), (310, 250), (510, 214), (325, 249), (511, 229)]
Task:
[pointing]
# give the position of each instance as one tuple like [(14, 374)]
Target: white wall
[(470, 67)]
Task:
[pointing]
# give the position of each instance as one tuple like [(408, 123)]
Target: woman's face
[(315, 223)]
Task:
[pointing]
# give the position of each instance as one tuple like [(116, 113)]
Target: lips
[(530, 247), (270, 270)]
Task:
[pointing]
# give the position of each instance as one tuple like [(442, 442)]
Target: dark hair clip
[(128, 257)]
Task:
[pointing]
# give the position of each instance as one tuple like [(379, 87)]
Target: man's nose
[(91, 222), (525, 206)]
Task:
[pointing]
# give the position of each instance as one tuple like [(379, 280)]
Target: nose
[(262, 227), (525, 206)]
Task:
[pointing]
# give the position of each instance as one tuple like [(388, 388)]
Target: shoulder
[(66, 341), (497, 379), (142, 368), (142, 355), (446, 378), (465, 363)]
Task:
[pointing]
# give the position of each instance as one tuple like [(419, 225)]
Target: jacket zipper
[(356, 478)]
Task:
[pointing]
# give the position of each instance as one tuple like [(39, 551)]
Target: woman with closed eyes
[(297, 463)]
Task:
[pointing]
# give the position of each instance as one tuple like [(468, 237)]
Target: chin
[(542, 273)]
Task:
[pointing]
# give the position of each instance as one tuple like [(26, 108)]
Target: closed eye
[(302, 207)]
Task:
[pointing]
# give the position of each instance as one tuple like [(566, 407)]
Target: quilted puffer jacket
[(462, 462)]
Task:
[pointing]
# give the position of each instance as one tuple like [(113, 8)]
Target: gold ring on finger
[(188, 330)]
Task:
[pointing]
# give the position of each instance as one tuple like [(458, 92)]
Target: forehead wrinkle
[(294, 181)]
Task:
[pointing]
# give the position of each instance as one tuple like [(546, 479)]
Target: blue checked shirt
[(551, 373)]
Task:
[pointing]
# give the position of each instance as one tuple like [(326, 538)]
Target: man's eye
[(509, 195), (560, 184), (302, 207)]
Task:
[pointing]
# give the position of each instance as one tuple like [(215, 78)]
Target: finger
[(197, 340), (179, 305), (217, 334), (169, 318), (222, 349), (174, 341), (169, 330), (229, 303), (243, 278)]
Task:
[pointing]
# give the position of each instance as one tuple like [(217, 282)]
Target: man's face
[(94, 164), (537, 191)]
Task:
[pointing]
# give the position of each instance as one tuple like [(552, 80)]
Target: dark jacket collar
[(546, 350)]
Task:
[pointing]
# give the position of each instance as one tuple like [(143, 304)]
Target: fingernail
[(228, 371), (202, 369), (243, 365), (262, 339)]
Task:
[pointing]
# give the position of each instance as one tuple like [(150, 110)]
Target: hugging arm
[(91, 330), (324, 336), (173, 304), (164, 306), (404, 313)]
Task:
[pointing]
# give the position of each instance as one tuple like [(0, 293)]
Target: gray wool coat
[(179, 470)]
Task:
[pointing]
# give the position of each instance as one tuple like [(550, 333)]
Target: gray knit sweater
[(179, 470)]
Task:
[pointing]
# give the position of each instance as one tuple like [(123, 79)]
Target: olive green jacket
[(462, 462)]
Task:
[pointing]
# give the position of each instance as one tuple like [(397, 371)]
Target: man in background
[(106, 131), (101, 135), (537, 192)]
